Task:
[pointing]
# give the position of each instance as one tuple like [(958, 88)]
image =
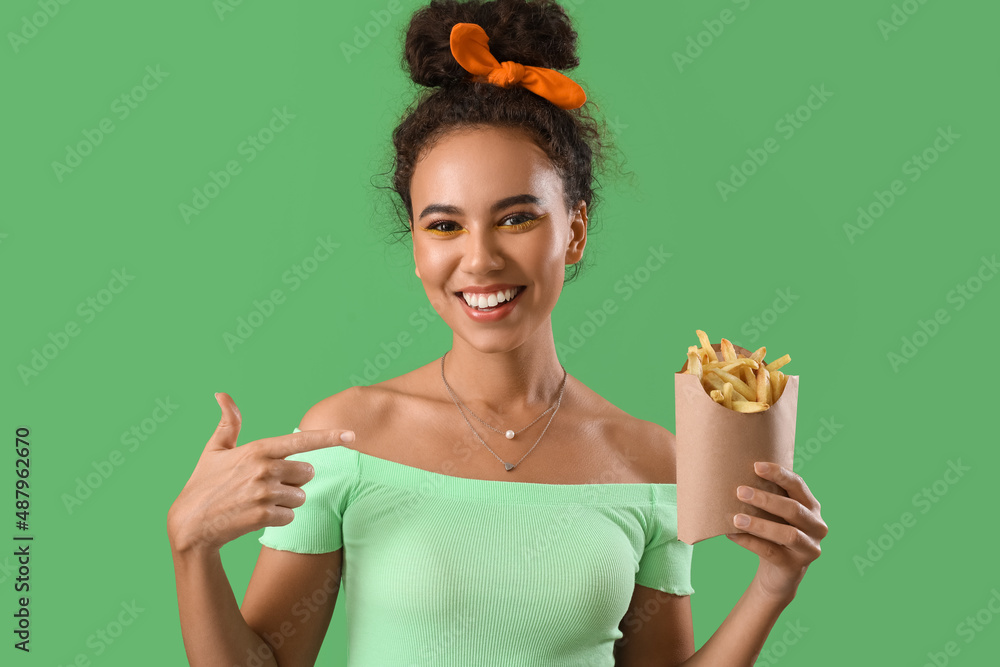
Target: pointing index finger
[(304, 441)]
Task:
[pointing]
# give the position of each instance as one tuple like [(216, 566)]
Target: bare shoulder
[(358, 408), (647, 446), (660, 447)]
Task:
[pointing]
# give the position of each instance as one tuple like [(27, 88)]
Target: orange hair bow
[(469, 46)]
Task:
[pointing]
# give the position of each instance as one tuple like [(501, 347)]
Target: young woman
[(488, 507)]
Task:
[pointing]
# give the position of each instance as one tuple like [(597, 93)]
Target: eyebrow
[(498, 206)]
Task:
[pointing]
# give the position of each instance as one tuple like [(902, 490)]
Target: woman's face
[(488, 209)]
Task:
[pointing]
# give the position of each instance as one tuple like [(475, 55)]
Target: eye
[(434, 227), (520, 222), (525, 219)]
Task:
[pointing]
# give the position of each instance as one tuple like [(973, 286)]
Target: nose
[(483, 252)]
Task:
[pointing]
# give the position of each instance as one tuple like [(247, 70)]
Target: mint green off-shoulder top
[(451, 571)]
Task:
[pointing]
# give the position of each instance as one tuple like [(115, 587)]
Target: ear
[(578, 233)]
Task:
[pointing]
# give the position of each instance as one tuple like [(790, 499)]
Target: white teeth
[(491, 299)]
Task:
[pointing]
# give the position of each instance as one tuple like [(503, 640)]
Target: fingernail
[(347, 436), (744, 492), (741, 520), (760, 466)]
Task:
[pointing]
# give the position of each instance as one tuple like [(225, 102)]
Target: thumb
[(228, 429)]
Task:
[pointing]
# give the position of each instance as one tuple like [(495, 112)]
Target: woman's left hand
[(785, 550)]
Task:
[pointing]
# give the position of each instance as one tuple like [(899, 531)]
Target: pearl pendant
[(510, 435), (508, 465)]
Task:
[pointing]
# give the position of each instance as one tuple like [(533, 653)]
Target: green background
[(681, 126)]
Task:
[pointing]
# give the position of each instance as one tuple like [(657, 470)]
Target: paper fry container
[(716, 450)]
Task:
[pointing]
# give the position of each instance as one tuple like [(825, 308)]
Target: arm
[(740, 638), (285, 615), (785, 551), (657, 629), (291, 596), (290, 600), (232, 491), (212, 626)]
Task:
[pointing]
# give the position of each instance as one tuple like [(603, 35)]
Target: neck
[(526, 379)]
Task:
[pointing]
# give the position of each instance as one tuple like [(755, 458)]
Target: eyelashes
[(529, 221)]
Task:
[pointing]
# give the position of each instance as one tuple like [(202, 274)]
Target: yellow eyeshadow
[(526, 225), (519, 227)]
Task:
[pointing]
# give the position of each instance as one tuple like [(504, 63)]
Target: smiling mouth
[(520, 291)]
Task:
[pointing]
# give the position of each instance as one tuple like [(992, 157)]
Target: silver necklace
[(509, 433)]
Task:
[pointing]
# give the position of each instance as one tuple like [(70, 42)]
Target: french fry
[(738, 384), (694, 363), (709, 381), (780, 383), (750, 379), (730, 365), (778, 363), (706, 345), (750, 406), (741, 383), (763, 385)]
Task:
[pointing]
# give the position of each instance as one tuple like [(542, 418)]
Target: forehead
[(470, 167)]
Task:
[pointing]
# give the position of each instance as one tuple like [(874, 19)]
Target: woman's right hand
[(236, 490)]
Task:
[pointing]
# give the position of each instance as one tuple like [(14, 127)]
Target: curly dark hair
[(530, 32)]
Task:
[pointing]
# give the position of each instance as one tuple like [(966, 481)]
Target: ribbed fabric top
[(449, 571)]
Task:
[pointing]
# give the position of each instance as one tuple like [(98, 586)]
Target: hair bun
[(528, 32)]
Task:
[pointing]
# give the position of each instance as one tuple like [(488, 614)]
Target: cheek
[(432, 261)]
